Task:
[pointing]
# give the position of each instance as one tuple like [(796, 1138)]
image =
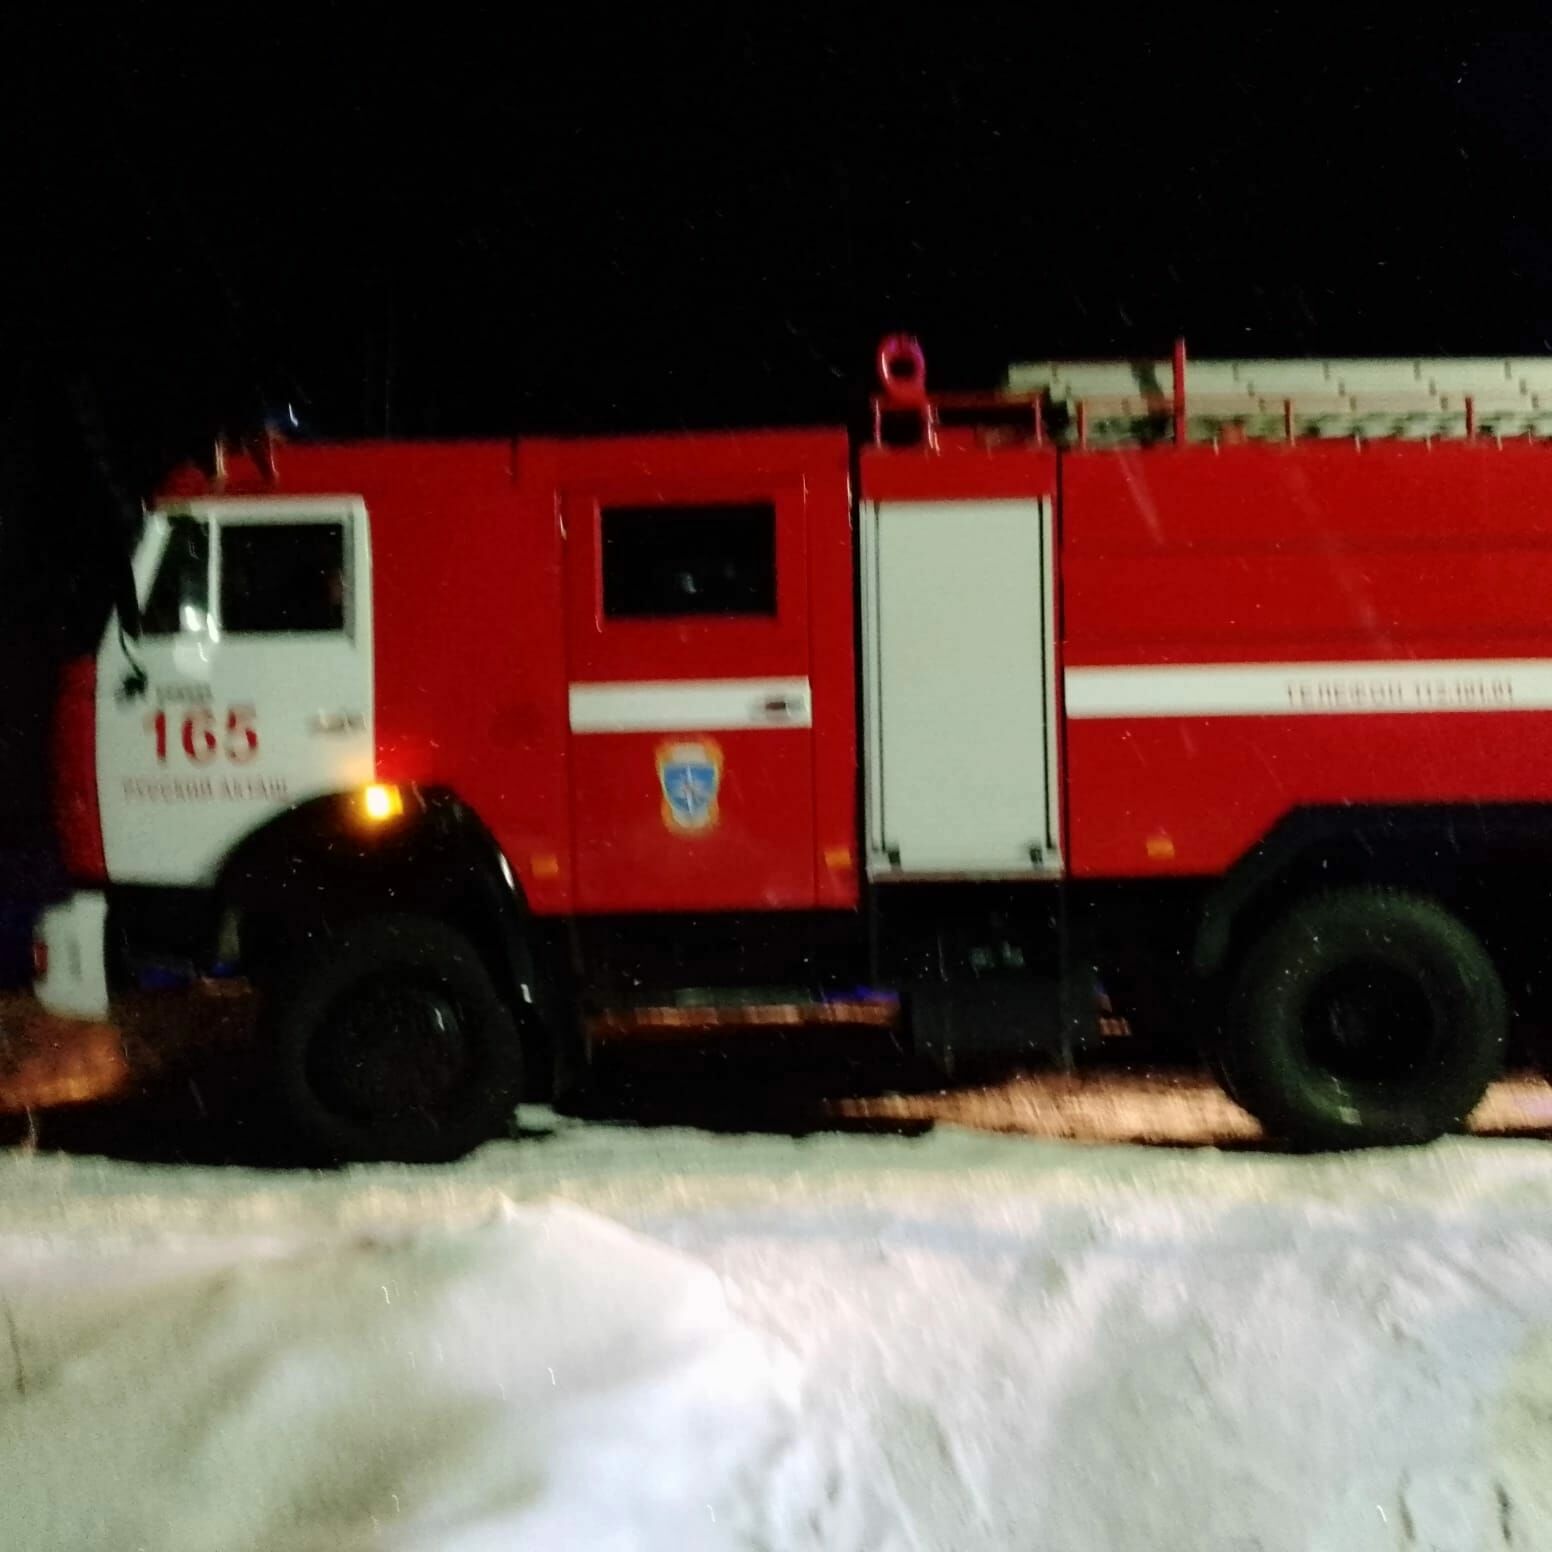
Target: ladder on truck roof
[(1114, 403)]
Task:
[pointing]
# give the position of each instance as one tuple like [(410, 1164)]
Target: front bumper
[(72, 934)]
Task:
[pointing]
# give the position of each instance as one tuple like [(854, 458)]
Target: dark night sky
[(595, 224)]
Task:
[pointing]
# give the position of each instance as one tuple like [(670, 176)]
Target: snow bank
[(545, 1379), (842, 1343)]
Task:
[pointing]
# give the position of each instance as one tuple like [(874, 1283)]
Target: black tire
[(390, 1041), (1365, 1017)]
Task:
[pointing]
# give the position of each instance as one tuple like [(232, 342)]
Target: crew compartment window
[(283, 578), (666, 562), (179, 600)]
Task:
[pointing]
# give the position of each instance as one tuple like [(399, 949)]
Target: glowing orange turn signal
[(382, 802)]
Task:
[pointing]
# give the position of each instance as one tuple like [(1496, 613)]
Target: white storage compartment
[(960, 746)]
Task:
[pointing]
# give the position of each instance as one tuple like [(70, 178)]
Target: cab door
[(691, 715), (256, 657)]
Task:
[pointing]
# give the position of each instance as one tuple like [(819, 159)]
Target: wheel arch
[(324, 863), (1436, 849)]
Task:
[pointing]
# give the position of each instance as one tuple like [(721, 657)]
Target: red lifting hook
[(902, 372)]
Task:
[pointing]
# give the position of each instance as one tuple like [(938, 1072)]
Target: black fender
[(325, 862), (1422, 845)]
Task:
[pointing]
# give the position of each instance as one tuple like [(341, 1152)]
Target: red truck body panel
[(487, 612), (785, 827), (1297, 558), (1314, 553)]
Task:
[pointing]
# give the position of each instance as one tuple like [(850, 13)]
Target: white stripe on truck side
[(1305, 689), (690, 705)]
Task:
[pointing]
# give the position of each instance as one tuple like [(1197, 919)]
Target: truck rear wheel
[(1364, 1017), (391, 1042)]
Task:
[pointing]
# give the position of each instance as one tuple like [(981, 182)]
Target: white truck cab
[(246, 689)]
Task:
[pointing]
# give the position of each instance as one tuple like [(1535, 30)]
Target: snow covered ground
[(618, 1338)]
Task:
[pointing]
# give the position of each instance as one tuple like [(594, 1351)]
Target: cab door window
[(283, 579)]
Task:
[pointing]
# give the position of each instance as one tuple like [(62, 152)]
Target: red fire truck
[(1234, 697)]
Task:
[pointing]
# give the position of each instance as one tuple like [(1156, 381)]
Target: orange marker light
[(382, 802)]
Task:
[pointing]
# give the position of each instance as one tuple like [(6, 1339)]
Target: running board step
[(688, 1022)]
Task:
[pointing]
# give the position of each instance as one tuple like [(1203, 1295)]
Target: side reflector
[(381, 802)]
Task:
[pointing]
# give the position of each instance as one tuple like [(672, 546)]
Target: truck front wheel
[(1364, 1017), (390, 1041)]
